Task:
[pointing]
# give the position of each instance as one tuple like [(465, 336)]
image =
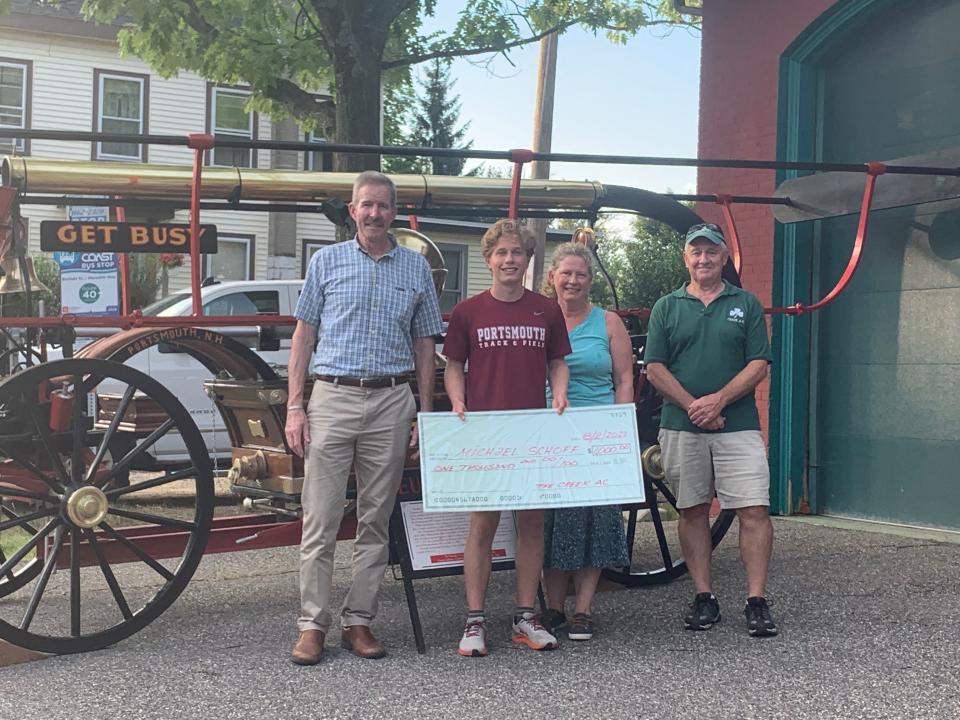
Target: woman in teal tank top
[(580, 542)]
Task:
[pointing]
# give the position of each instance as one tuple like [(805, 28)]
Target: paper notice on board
[(436, 540)]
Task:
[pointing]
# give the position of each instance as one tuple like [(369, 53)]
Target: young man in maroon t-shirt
[(513, 339)]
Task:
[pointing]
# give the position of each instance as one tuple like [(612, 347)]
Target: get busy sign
[(123, 237)]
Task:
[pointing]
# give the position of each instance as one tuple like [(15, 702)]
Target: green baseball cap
[(711, 232)]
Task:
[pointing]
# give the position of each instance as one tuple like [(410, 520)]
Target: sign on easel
[(436, 540)]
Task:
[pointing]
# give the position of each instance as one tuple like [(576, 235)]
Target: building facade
[(58, 72), (862, 417)]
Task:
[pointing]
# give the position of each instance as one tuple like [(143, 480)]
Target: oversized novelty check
[(522, 459)]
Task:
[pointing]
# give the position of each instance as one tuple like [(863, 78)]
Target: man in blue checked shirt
[(370, 309)]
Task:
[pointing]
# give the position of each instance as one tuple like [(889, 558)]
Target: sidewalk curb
[(881, 528)]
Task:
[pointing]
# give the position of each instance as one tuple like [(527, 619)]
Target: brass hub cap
[(652, 462), (87, 507)]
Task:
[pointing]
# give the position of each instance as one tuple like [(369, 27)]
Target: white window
[(308, 248), (121, 109), (232, 260), (229, 119), (258, 302), (455, 286), (14, 111), (317, 161)]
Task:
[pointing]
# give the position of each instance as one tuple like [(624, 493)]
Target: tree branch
[(501, 48), (302, 105), (455, 53), (194, 18)]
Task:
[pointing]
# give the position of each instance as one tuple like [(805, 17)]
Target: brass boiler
[(174, 182)]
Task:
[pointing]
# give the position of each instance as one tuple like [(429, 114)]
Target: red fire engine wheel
[(86, 563)]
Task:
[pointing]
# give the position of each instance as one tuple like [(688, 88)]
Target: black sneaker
[(553, 619), (581, 627), (704, 612), (759, 620)]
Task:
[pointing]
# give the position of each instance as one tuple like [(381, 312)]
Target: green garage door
[(886, 412)]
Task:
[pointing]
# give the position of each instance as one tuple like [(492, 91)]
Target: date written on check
[(524, 459)]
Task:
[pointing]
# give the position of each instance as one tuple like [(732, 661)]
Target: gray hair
[(373, 177)]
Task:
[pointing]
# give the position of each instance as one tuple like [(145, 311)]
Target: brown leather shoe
[(309, 648), (359, 640)]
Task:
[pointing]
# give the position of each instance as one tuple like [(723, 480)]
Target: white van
[(184, 376)]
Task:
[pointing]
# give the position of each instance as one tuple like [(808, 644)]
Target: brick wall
[(740, 61)]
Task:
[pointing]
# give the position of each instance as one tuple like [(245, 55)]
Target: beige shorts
[(731, 465)]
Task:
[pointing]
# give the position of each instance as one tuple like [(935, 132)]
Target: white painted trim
[(100, 115)]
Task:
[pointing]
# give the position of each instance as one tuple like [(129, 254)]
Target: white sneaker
[(528, 631), (474, 640)]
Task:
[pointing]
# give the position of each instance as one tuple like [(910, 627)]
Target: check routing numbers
[(124, 237)]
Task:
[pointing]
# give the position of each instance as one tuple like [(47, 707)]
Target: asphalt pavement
[(867, 626)]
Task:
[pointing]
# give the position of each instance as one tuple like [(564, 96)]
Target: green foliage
[(144, 284), (646, 266), (428, 120), (48, 272), (436, 118), (398, 99), (287, 51), (645, 261), (144, 279)]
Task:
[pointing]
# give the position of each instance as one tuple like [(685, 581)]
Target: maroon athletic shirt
[(507, 346)]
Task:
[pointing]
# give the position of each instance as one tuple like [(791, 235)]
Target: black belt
[(369, 382)]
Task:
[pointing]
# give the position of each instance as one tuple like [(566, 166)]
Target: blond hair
[(513, 228), (567, 249)]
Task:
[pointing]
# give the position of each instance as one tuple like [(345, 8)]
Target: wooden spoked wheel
[(84, 561)]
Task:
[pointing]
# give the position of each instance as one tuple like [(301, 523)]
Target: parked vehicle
[(184, 376)]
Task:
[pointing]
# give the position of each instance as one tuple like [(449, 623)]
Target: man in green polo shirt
[(706, 352)]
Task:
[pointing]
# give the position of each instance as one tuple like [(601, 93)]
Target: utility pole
[(542, 137)]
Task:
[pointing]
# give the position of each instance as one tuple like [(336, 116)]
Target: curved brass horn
[(418, 242)]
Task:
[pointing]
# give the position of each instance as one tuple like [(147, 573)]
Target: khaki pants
[(368, 429)]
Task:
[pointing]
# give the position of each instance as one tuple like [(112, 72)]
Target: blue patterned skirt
[(584, 537)]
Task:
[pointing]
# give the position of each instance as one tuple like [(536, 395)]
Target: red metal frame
[(874, 170), (733, 238), (199, 143), (228, 534), (124, 270), (519, 157)]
